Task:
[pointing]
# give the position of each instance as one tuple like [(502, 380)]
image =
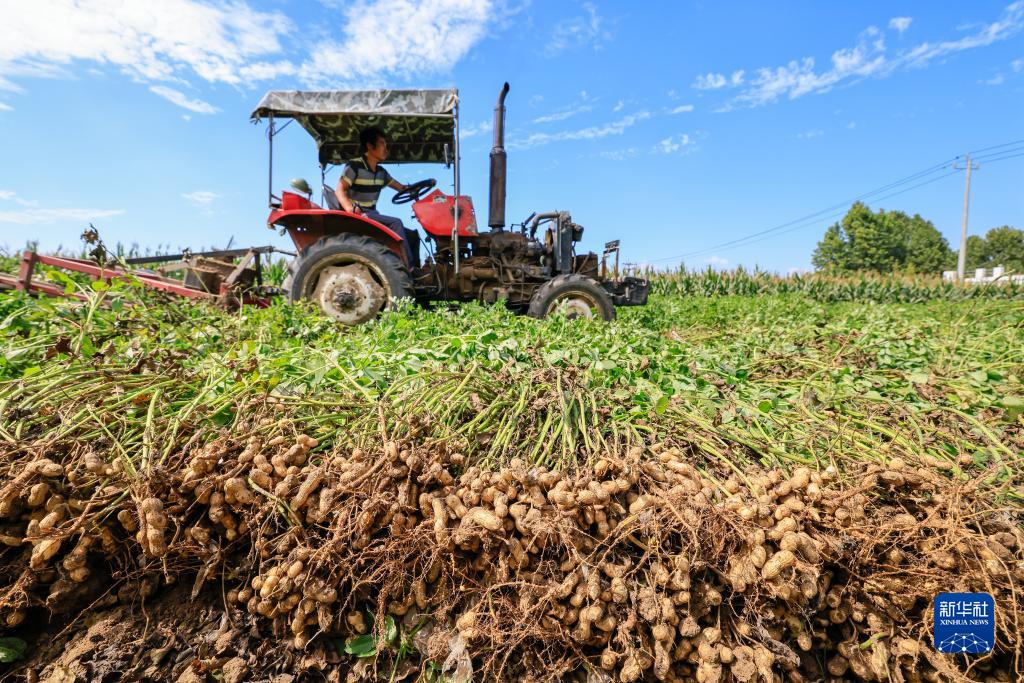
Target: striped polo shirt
[(365, 185)]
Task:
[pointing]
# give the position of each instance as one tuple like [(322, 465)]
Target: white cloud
[(157, 40), (851, 125), (1008, 25), (619, 105), (8, 195), (868, 58), (717, 261), (589, 133), (714, 81), (900, 24), (619, 154), (171, 42), (673, 144), (265, 71), (35, 216), (179, 98), (186, 118), (799, 78), (563, 115), (6, 107), (1017, 65), (400, 38), (202, 198), (473, 131), (682, 109), (998, 79), (711, 81), (578, 31), (811, 134)]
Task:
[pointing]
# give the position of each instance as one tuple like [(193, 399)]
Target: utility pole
[(961, 262)]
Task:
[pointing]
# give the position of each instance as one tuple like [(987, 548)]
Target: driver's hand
[(356, 209)]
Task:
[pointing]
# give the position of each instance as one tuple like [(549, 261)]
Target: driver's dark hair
[(369, 137)]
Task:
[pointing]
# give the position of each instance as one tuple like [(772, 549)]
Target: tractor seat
[(331, 199)]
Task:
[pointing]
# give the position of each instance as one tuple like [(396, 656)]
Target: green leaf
[(224, 416), (1014, 407), (919, 377), (87, 348), (12, 649), (390, 630), (661, 405), (34, 370), (361, 646), (766, 406), (99, 286)]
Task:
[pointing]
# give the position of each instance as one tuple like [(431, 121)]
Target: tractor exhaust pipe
[(499, 163)]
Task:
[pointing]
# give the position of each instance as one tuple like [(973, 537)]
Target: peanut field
[(751, 479)]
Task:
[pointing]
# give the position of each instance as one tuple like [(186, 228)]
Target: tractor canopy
[(418, 123)]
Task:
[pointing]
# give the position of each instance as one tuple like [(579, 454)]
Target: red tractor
[(354, 267)]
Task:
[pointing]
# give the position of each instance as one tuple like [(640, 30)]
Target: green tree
[(1004, 246), (877, 241), (927, 251), (883, 242), (975, 252), (832, 252)]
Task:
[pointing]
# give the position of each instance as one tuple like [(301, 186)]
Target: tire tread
[(398, 276), (539, 300)]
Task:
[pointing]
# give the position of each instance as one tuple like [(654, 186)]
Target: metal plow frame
[(228, 293)]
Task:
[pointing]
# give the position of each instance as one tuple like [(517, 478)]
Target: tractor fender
[(308, 226)]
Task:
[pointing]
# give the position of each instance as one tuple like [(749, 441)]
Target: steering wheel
[(413, 192)]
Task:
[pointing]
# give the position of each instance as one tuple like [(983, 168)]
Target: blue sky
[(677, 127)]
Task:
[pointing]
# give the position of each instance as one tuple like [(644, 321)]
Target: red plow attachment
[(212, 275)]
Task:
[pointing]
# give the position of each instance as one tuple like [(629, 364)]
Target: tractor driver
[(360, 185)]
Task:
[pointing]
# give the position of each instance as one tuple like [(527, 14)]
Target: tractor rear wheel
[(574, 296), (350, 277)]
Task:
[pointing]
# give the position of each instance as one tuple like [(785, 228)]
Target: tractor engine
[(510, 265), (498, 265)]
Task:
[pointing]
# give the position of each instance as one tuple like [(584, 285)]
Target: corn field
[(861, 287)]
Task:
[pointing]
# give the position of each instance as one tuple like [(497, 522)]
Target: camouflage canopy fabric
[(417, 123)]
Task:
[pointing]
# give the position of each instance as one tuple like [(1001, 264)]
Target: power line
[(814, 218), (748, 240), (992, 161), (982, 157), (781, 229), (985, 149)]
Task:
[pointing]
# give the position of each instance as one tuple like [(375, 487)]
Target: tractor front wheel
[(350, 277), (574, 296)]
